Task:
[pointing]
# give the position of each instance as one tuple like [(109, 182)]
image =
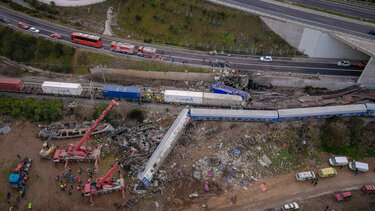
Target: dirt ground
[(45, 194)]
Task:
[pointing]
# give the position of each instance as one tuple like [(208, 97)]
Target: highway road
[(304, 17), (338, 7), (193, 57)]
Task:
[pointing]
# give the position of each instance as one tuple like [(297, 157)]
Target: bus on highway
[(86, 39)]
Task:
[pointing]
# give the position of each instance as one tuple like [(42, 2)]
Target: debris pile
[(136, 143)]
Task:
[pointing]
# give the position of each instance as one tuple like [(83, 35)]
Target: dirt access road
[(284, 188)]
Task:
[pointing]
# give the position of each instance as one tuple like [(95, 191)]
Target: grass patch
[(333, 13), (88, 59), (36, 51), (181, 23)]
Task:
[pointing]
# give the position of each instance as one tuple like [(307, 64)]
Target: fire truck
[(147, 52), (123, 47)]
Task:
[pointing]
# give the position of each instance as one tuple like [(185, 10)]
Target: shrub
[(138, 114), (31, 109)]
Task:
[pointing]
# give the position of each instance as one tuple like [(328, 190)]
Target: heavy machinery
[(123, 48), (47, 148), (147, 52), (21, 173), (79, 153), (105, 184)]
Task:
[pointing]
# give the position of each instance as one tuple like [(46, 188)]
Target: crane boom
[(88, 132), (109, 174)]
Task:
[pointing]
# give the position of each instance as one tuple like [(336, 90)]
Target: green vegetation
[(88, 59), (36, 51), (199, 25), (138, 114), (111, 115), (352, 137), (31, 109)]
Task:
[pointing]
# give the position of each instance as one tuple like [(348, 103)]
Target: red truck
[(123, 47), (147, 52)]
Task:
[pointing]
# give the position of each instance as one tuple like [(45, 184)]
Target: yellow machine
[(48, 149)]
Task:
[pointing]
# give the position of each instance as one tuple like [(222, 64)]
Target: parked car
[(343, 196), (35, 30), (55, 35), (343, 63), (4, 20), (302, 176), (327, 172), (368, 188), (23, 25), (270, 209), (355, 165), (372, 32), (290, 206), (362, 64), (338, 161), (266, 59)]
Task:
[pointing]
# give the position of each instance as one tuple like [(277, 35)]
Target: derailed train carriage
[(367, 109)]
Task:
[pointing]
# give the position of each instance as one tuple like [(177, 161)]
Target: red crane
[(79, 153), (105, 184)]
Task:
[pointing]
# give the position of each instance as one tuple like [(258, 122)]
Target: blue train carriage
[(219, 88), (327, 111), (233, 115), (370, 109), (130, 93)]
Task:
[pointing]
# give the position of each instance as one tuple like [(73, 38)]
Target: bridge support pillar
[(367, 78)]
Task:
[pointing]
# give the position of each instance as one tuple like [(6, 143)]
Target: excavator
[(47, 148), (79, 153), (105, 184)]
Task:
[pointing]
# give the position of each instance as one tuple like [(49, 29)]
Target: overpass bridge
[(318, 36)]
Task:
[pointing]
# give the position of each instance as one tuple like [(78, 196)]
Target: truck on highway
[(123, 48)]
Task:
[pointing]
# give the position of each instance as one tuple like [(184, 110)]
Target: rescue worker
[(78, 179), (62, 187), (30, 207), (57, 177)]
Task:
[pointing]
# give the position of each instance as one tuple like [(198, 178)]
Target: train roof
[(208, 95), (10, 81), (86, 35), (183, 93), (321, 111), (229, 113), (126, 89), (370, 106), (61, 85)]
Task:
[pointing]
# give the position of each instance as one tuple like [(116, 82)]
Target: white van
[(338, 161), (355, 165), (305, 176)]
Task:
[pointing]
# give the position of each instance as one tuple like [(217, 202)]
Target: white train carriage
[(370, 109), (225, 100), (177, 96), (60, 88), (327, 111), (234, 115)]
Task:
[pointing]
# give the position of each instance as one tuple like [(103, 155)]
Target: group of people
[(71, 179)]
